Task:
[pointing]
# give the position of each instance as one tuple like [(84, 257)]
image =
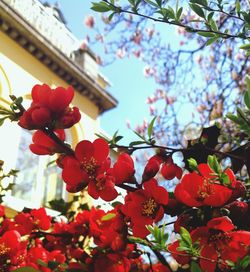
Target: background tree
[(190, 75)]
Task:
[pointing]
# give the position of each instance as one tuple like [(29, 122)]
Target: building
[(37, 47)]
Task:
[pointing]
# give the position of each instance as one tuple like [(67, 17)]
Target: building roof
[(55, 46)]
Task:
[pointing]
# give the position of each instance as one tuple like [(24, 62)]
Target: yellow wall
[(19, 72), (24, 71)]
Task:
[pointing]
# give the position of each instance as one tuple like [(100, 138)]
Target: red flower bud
[(151, 169), (239, 190), (170, 170)]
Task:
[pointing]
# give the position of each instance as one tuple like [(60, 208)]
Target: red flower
[(170, 170), (202, 189), (50, 107), (110, 232), (111, 262), (103, 186), (158, 267), (144, 207), (123, 169), (70, 117), (151, 169), (44, 145), (9, 245), (91, 160), (238, 212), (2, 211), (218, 243), (41, 219)]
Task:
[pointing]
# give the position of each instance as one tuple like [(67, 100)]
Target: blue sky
[(129, 86)]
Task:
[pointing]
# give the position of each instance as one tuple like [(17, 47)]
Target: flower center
[(204, 191), (3, 249), (219, 238), (100, 183), (149, 207), (89, 166)]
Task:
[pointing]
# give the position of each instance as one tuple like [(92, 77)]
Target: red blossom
[(41, 219), (44, 145), (90, 161), (89, 21), (218, 243), (145, 207), (112, 262), (10, 243), (50, 107), (170, 170), (103, 186), (151, 169), (2, 211), (202, 189), (123, 169)]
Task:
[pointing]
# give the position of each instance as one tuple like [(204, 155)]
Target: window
[(38, 181)]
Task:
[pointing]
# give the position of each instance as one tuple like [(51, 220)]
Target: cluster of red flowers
[(209, 203), (30, 239), (50, 108)]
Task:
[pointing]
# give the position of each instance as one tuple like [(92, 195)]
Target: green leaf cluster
[(160, 237), (186, 244), (242, 117)]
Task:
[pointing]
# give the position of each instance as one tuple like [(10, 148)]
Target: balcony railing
[(44, 21)]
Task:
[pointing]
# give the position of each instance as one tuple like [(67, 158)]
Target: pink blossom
[(89, 21)]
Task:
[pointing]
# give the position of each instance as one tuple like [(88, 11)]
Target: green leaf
[(152, 3), (193, 164), (42, 263), (18, 101), (213, 25), (171, 13), (178, 14), (245, 262), (214, 164), (237, 6), (234, 118), (247, 99), (185, 236), (183, 248), (197, 9), (138, 240), (248, 83), (195, 267), (136, 143), (115, 203), (245, 46), (108, 216), (111, 16), (150, 229), (140, 136), (26, 269), (225, 179), (102, 137), (212, 40), (210, 16), (159, 2), (53, 265), (206, 34), (101, 7), (200, 2), (230, 263), (117, 138), (2, 121), (150, 127), (51, 163)]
